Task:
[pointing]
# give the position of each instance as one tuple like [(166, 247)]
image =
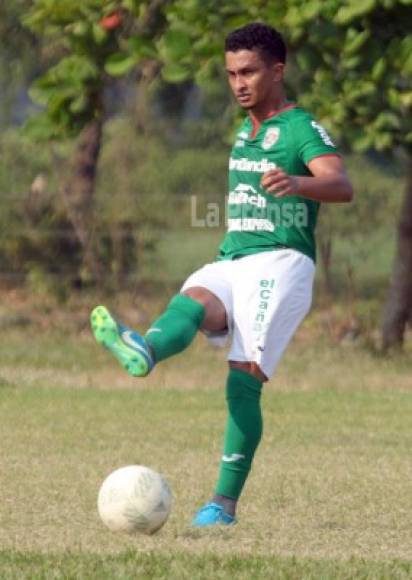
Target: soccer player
[(282, 166)]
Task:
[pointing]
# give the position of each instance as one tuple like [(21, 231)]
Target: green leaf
[(362, 143), (311, 9), (378, 69), (205, 47), (293, 17), (72, 70), (41, 95), (119, 64), (387, 120), (406, 99), (352, 62), (176, 45), (109, 7), (383, 141), (206, 74), (354, 44), (100, 35), (175, 73), (79, 105), (40, 128), (142, 47), (58, 104), (356, 9), (80, 29), (405, 55), (132, 5), (307, 59), (394, 98)]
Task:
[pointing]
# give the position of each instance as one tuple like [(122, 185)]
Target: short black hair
[(258, 36)]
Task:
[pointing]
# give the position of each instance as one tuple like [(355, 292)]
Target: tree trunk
[(122, 242), (325, 250), (398, 309), (78, 194), (143, 110)]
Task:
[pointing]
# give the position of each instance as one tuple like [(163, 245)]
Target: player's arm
[(328, 183)]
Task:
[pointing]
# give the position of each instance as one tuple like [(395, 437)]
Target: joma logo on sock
[(233, 457), (265, 293)]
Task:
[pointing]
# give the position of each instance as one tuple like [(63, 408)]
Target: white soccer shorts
[(266, 296)]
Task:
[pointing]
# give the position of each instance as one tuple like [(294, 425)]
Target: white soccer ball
[(134, 499)]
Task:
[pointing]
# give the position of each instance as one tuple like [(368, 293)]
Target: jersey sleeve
[(312, 140)]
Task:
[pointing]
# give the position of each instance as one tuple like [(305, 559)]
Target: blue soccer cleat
[(212, 514), (130, 349)]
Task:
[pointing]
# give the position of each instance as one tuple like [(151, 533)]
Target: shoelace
[(215, 507)]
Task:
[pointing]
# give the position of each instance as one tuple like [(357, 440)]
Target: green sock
[(175, 329), (243, 432)]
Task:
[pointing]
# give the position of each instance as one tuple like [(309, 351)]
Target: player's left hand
[(279, 183)]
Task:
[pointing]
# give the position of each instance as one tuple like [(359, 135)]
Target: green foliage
[(135, 193), (379, 197), (119, 64), (199, 25), (34, 232), (354, 86), (174, 49), (354, 10), (361, 91), (69, 90), (361, 236), (136, 201), (338, 68), (94, 40)]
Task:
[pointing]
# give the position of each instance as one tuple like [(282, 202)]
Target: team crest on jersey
[(271, 137)]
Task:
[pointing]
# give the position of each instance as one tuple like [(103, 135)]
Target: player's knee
[(215, 318), (249, 367)]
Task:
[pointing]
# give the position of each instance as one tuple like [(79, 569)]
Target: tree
[(398, 310), (339, 71), (94, 41), (365, 93)]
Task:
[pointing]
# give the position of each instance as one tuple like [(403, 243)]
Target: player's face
[(255, 83)]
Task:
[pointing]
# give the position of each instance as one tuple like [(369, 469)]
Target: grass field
[(330, 495)]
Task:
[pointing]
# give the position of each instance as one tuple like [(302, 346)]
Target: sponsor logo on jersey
[(271, 137), (245, 193), (249, 225), (245, 164), (240, 139), (323, 134)]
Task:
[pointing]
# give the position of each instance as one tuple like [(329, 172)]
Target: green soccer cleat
[(130, 349)]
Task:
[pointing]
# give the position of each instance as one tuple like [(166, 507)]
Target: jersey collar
[(256, 125)]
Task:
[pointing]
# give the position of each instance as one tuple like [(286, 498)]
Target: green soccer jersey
[(258, 221)]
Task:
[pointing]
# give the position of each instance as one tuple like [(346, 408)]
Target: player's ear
[(278, 71)]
